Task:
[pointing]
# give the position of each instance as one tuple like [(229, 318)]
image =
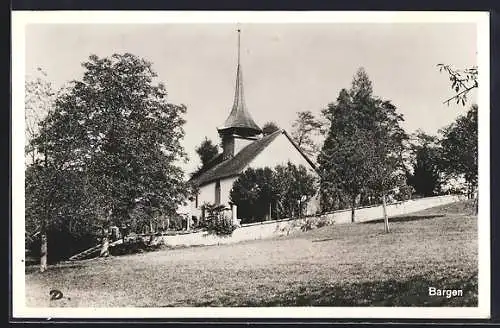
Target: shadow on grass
[(406, 218), (412, 292), (322, 240), (35, 269)]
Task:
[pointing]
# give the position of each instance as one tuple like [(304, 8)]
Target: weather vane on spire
[(239, 32)]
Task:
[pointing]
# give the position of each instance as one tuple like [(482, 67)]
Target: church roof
[(219, 169), (234, 165), (239, 120)]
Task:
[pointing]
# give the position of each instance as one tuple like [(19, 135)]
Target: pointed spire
[(239, 120)]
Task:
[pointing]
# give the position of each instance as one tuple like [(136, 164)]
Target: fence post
[(386, 219)]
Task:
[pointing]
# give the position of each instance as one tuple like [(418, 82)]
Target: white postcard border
[(21, 18)]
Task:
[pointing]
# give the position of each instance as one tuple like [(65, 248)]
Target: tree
[(342, 164), (117, 132), (305, 129), (362, 151), (343, 168), (295, 186), (426, 175), (38, 207), (39, 100), (269, 128), (387, 168), (56, 206), (278, 192), (459, 146), (207, 150), (462, 82), (254, 192)]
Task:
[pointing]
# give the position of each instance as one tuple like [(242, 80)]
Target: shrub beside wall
[(218, 222)]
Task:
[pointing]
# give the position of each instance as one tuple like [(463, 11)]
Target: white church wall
[(279, 152), (207, 192), (225, 188)]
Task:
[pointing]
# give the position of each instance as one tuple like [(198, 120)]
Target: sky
[(286, 67)]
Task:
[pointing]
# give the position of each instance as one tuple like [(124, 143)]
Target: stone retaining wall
[(275, 228), (375, 212)]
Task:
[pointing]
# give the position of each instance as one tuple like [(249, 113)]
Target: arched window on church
[(217, 192)]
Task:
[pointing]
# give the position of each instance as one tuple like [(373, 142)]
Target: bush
[(314, 223), (218, 222), (323, 221), (176, 223), (307, 225)]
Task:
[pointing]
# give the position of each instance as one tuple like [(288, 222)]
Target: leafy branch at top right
[(462, 82)]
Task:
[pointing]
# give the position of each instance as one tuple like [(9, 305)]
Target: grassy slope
[(344, 265)]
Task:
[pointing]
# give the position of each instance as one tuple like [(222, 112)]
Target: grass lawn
[(343, 265)]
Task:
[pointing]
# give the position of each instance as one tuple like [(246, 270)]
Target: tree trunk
[(105, 244), (476, 205), (353, 205), (386, 219), (104, 247), (43, 252), (469, 190)]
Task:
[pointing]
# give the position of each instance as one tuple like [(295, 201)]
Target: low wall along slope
[(401, 208), (275, 228)]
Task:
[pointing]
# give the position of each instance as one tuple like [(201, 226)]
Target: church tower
[(239, 129)]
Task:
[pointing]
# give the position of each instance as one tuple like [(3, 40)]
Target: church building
[(244, 146)]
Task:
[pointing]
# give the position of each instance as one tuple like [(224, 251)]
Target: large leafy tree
[(56, 207), (273, 193), (295, 186), (388, 172), (362, 149), (39, 101), (117, 131), (459, 146), (254, 192)]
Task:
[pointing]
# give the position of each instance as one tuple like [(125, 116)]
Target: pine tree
[(361, 152)]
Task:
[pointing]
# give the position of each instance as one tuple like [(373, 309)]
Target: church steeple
[(239, 121)]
